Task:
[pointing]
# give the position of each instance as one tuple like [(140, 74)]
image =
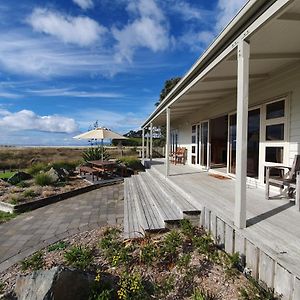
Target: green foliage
[(6, 175), (14, 200), (79, 257), (103, 295), (205, 245), (95, 153), (184, 261), (69, 166), (148, 253), (43, 179), (131, 162), (37, 168), (169, 248), (165, 286), (131, 287), (58, 246), (29, 193), (23, 184), (187, 228), (2, 285), (5, 216), (254, 291), (231, 263), (131, 142), (168, 86), (35, 262), (204, 295)]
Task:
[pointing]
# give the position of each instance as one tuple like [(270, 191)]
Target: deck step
[(168, 211), (175, 194), (148, 210), (132, 217)]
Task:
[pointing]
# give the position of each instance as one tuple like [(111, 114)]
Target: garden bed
[(181, 264)]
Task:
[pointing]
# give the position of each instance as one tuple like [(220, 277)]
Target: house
[(236, 111)]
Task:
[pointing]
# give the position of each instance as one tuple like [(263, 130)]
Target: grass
[(43, 179), (79, 257), (5, 217), (35, 262), (6, 175)]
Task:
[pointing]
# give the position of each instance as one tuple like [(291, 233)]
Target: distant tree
[(169, 85), (134, 134)]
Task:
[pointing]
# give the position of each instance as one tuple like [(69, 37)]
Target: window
[(275, 110), (274, 154), (193, 149), (275, 132)]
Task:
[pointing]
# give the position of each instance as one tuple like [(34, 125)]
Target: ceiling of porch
[(275, 46)]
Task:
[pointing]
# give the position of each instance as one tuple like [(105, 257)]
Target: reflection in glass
[(275, 132), (275, 110), (204, 141), (274, 154)]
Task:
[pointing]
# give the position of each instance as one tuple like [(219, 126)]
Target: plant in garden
[(131, 287), (254, 291), (184, 261), (148, 253), (79, 257), (29, 193), (37, 168), (165, 286), (58, 246), (5, 216), (1, 287), (35, 262), (43, 179), (95, 153), (204, 295), (187, 228), (23, 184), (169, 248), (101, 290), (205, 245), (15, 199), (231, 263)]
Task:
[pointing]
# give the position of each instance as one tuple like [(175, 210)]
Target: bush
[(35, 262), (204, 295), (69, 166), (37, 168), (95, 153), (131, 162), (23, 184), (29, 194), (43, 179), (58, 246), (79, 257)]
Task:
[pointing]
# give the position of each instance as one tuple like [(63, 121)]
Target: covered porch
[(272, 226)]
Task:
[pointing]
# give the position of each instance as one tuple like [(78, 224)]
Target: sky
[(66, 63)]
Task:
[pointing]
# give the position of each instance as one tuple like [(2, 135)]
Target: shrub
[(187, 228), (131, 287), (37, 168), (29, 194), (58, 246), (23, 184), (131, 162), (79, 257), (95, 153), (69, 166), (148, 253), (169, 248), (35, 262), (205, 245), (204, 295), (43, 179)]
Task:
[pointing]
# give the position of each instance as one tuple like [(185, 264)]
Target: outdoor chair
[(178, 157), (89, 170), (289, 182)]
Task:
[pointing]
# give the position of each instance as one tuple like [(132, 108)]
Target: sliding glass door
[(204, 138)]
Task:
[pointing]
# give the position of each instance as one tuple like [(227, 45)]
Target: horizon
[(66, 64)]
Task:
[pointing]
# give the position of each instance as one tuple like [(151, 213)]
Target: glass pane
[(275, 110), (193, 149), (204, 141), (193, 139), (232, 143), (194, 129), (193, 160), (275, 132), (198, 144), (274, 154)]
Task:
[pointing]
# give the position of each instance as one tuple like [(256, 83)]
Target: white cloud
[(67, 92), (84, 4), (82, 31), (147, 30), (226, 11), (28, 120), (8, 95), (197, 41)]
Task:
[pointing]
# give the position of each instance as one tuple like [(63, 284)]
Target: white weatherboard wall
[(285, 83)]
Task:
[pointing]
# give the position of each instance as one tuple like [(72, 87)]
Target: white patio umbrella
[(100, 133)]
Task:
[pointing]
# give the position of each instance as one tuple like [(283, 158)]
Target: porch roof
[(213, 77)]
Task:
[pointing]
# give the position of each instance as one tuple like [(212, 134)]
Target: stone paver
[(37, 229)]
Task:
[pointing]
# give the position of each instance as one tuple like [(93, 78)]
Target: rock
[(18, 177), (55, 284), (58, 174)]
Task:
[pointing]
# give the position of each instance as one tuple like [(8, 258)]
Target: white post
[(168, 142), (143, 146), (241, 136), (147, 144), (151, 141)]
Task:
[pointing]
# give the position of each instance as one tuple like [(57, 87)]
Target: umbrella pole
[(102, 148)]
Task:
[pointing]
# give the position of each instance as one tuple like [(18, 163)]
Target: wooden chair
[(290, 180), (180, 156), (89, 170)]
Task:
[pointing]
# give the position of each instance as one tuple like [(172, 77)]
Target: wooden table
[(104, 166)]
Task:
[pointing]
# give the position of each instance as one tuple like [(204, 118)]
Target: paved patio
[(37, 229)]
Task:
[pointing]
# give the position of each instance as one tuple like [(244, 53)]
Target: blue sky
[(66, 63)]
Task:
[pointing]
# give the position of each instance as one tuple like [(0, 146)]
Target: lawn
[(6, 175)]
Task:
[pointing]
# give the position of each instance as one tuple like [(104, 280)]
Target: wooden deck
[(272, 225)]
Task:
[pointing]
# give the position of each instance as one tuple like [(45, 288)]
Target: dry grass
[(21, 158)]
